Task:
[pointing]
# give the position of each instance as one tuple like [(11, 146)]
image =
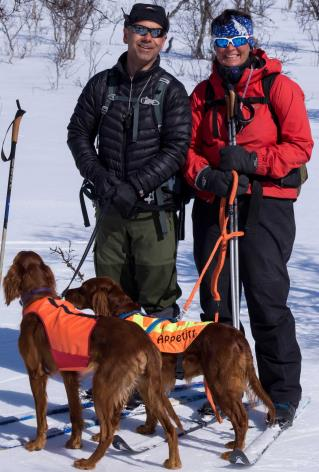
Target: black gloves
[(219, 182), (237, 158), (125, 199), (104, 185)]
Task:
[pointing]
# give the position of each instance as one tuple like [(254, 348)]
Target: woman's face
[(231, 56)]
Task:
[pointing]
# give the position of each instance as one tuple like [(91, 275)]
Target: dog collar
[(27, 296)]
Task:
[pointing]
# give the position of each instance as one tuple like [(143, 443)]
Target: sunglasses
[(143, 30), (236, 41)]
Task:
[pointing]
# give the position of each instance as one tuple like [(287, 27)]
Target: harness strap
[(123, 316), (254, 205), (86, 190), (159, 100), (67, 310), (154, 324), (162, 213)]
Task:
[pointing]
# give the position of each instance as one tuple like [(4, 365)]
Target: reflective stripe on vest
[(68, 331), (169, 337)]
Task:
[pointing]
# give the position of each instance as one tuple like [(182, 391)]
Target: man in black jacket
[(140, 151)]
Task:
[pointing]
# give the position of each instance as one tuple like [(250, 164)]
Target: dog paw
[(35, 445), (74, 443), (83, 464), (172, 464), (230, 445), (95, 437), (226, 455), (143, 429)]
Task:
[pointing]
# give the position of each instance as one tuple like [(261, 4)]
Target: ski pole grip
[(16, 123), (232, 98)]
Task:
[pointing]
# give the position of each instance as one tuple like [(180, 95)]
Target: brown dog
[(121, 354), (221, 353)]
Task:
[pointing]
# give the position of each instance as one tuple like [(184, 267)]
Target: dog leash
[(89, 244), (221, 244)]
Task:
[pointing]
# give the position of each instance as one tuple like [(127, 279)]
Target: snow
[(45, 213)]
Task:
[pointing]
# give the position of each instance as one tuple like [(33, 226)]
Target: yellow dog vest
[(169, 337)]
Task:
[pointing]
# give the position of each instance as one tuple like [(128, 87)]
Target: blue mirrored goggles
[(143, 30), (236, 41)]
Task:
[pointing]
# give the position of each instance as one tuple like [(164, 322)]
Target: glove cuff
[(254, 160), (135, 183), (201, 178)]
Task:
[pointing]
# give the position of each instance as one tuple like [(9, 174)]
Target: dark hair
[(225, 17)]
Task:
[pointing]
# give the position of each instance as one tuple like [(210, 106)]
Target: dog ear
[(12, 284), (100, 303), (50, 279), (37, 274)]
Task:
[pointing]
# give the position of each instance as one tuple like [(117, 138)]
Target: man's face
[(232, 56), (143, 50)]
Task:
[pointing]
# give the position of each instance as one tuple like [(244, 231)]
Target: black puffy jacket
[(155, 156)]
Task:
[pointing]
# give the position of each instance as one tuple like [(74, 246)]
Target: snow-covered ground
[(45, 213)]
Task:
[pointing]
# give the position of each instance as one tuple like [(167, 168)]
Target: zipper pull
[(127, 119)]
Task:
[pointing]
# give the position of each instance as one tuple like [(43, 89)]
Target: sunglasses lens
[(140, 30), (221, 42), (239, 41), (143, 30), (156, 32)]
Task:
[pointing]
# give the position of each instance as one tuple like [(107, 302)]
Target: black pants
[(263, 255)]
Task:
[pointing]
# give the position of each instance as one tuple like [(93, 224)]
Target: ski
[(51, 433), (89, 423), (85, 405), (147, 444), (254, 451), (189, 426)]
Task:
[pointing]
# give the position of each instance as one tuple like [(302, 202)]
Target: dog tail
[(257, 389)]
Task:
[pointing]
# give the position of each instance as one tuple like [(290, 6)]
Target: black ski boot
[(285, 413), (134, 401)]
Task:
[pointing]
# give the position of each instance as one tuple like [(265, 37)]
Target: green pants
[(134, 253)]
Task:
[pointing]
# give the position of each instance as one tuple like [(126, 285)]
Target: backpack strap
[(158, 99), (211, 103), (111, 85), (267, 83)]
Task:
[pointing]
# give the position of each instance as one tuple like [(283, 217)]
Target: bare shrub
[(11, 24), (193, 22), (307, 15)]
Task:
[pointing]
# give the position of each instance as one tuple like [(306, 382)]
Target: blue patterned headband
[(237, 26)]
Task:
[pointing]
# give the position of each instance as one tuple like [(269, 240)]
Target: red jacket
[(260, 135)]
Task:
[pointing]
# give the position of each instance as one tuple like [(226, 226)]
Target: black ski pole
[(89, 244), (15, 124), (233, 216)]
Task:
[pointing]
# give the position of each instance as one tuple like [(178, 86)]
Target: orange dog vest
[(68, 331)]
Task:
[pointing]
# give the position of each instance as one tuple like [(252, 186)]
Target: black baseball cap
[(145, 11)]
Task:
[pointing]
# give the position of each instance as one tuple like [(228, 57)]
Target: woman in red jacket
[(273, 142)]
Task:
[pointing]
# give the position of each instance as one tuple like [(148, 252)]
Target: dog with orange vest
[(219, 352), (55, 336)]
